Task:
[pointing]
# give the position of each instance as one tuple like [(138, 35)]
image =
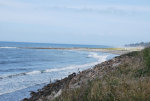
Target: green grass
[(130, 81), (146, 54)]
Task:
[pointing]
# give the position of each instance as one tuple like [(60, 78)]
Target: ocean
[(23, 70)]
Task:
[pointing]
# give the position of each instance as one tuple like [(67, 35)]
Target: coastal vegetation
[(129, 81), (123, 78)]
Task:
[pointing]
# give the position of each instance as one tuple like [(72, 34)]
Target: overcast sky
[(107, 22)]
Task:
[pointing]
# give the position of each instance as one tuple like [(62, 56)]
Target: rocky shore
[(53, 90)]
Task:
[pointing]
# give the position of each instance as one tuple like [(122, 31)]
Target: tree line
[(141, 44)]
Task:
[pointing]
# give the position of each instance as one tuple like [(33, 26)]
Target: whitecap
[(8, 47)]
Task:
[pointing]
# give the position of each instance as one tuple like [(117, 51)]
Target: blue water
[(24, 70)]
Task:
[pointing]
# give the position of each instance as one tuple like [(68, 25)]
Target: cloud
[(52, 13), (98, 8), (107, 9)]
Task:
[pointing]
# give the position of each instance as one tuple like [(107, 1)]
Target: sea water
[(23, 70)]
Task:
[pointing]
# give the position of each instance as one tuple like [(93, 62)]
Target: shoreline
[(75, 80), (117, 51), (89, 53)]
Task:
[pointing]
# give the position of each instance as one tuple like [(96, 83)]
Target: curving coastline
[(53, 90), (118, 51)]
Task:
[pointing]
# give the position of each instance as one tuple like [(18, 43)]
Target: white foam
[(17, 83), (69, 67), (93, 55), (101, 58), (8, 47), (12, 90), (4, 91), (33, 72)]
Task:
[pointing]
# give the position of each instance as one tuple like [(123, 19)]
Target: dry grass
[(130, 81)]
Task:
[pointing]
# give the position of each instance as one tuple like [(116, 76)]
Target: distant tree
[(141, 44)]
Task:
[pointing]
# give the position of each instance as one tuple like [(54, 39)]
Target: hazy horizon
[(98, 22), (54, 43)]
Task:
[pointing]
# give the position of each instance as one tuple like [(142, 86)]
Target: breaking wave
[(8, 47), (71, 68), (100, 58)]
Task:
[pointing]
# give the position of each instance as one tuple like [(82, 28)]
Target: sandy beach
[(118, 51)]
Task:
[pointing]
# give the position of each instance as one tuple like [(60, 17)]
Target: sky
[(97, 22)]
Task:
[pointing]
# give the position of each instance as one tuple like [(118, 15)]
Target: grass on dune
[(130, 81)]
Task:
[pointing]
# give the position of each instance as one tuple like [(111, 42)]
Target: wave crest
[(8, 47), (101, 58)]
